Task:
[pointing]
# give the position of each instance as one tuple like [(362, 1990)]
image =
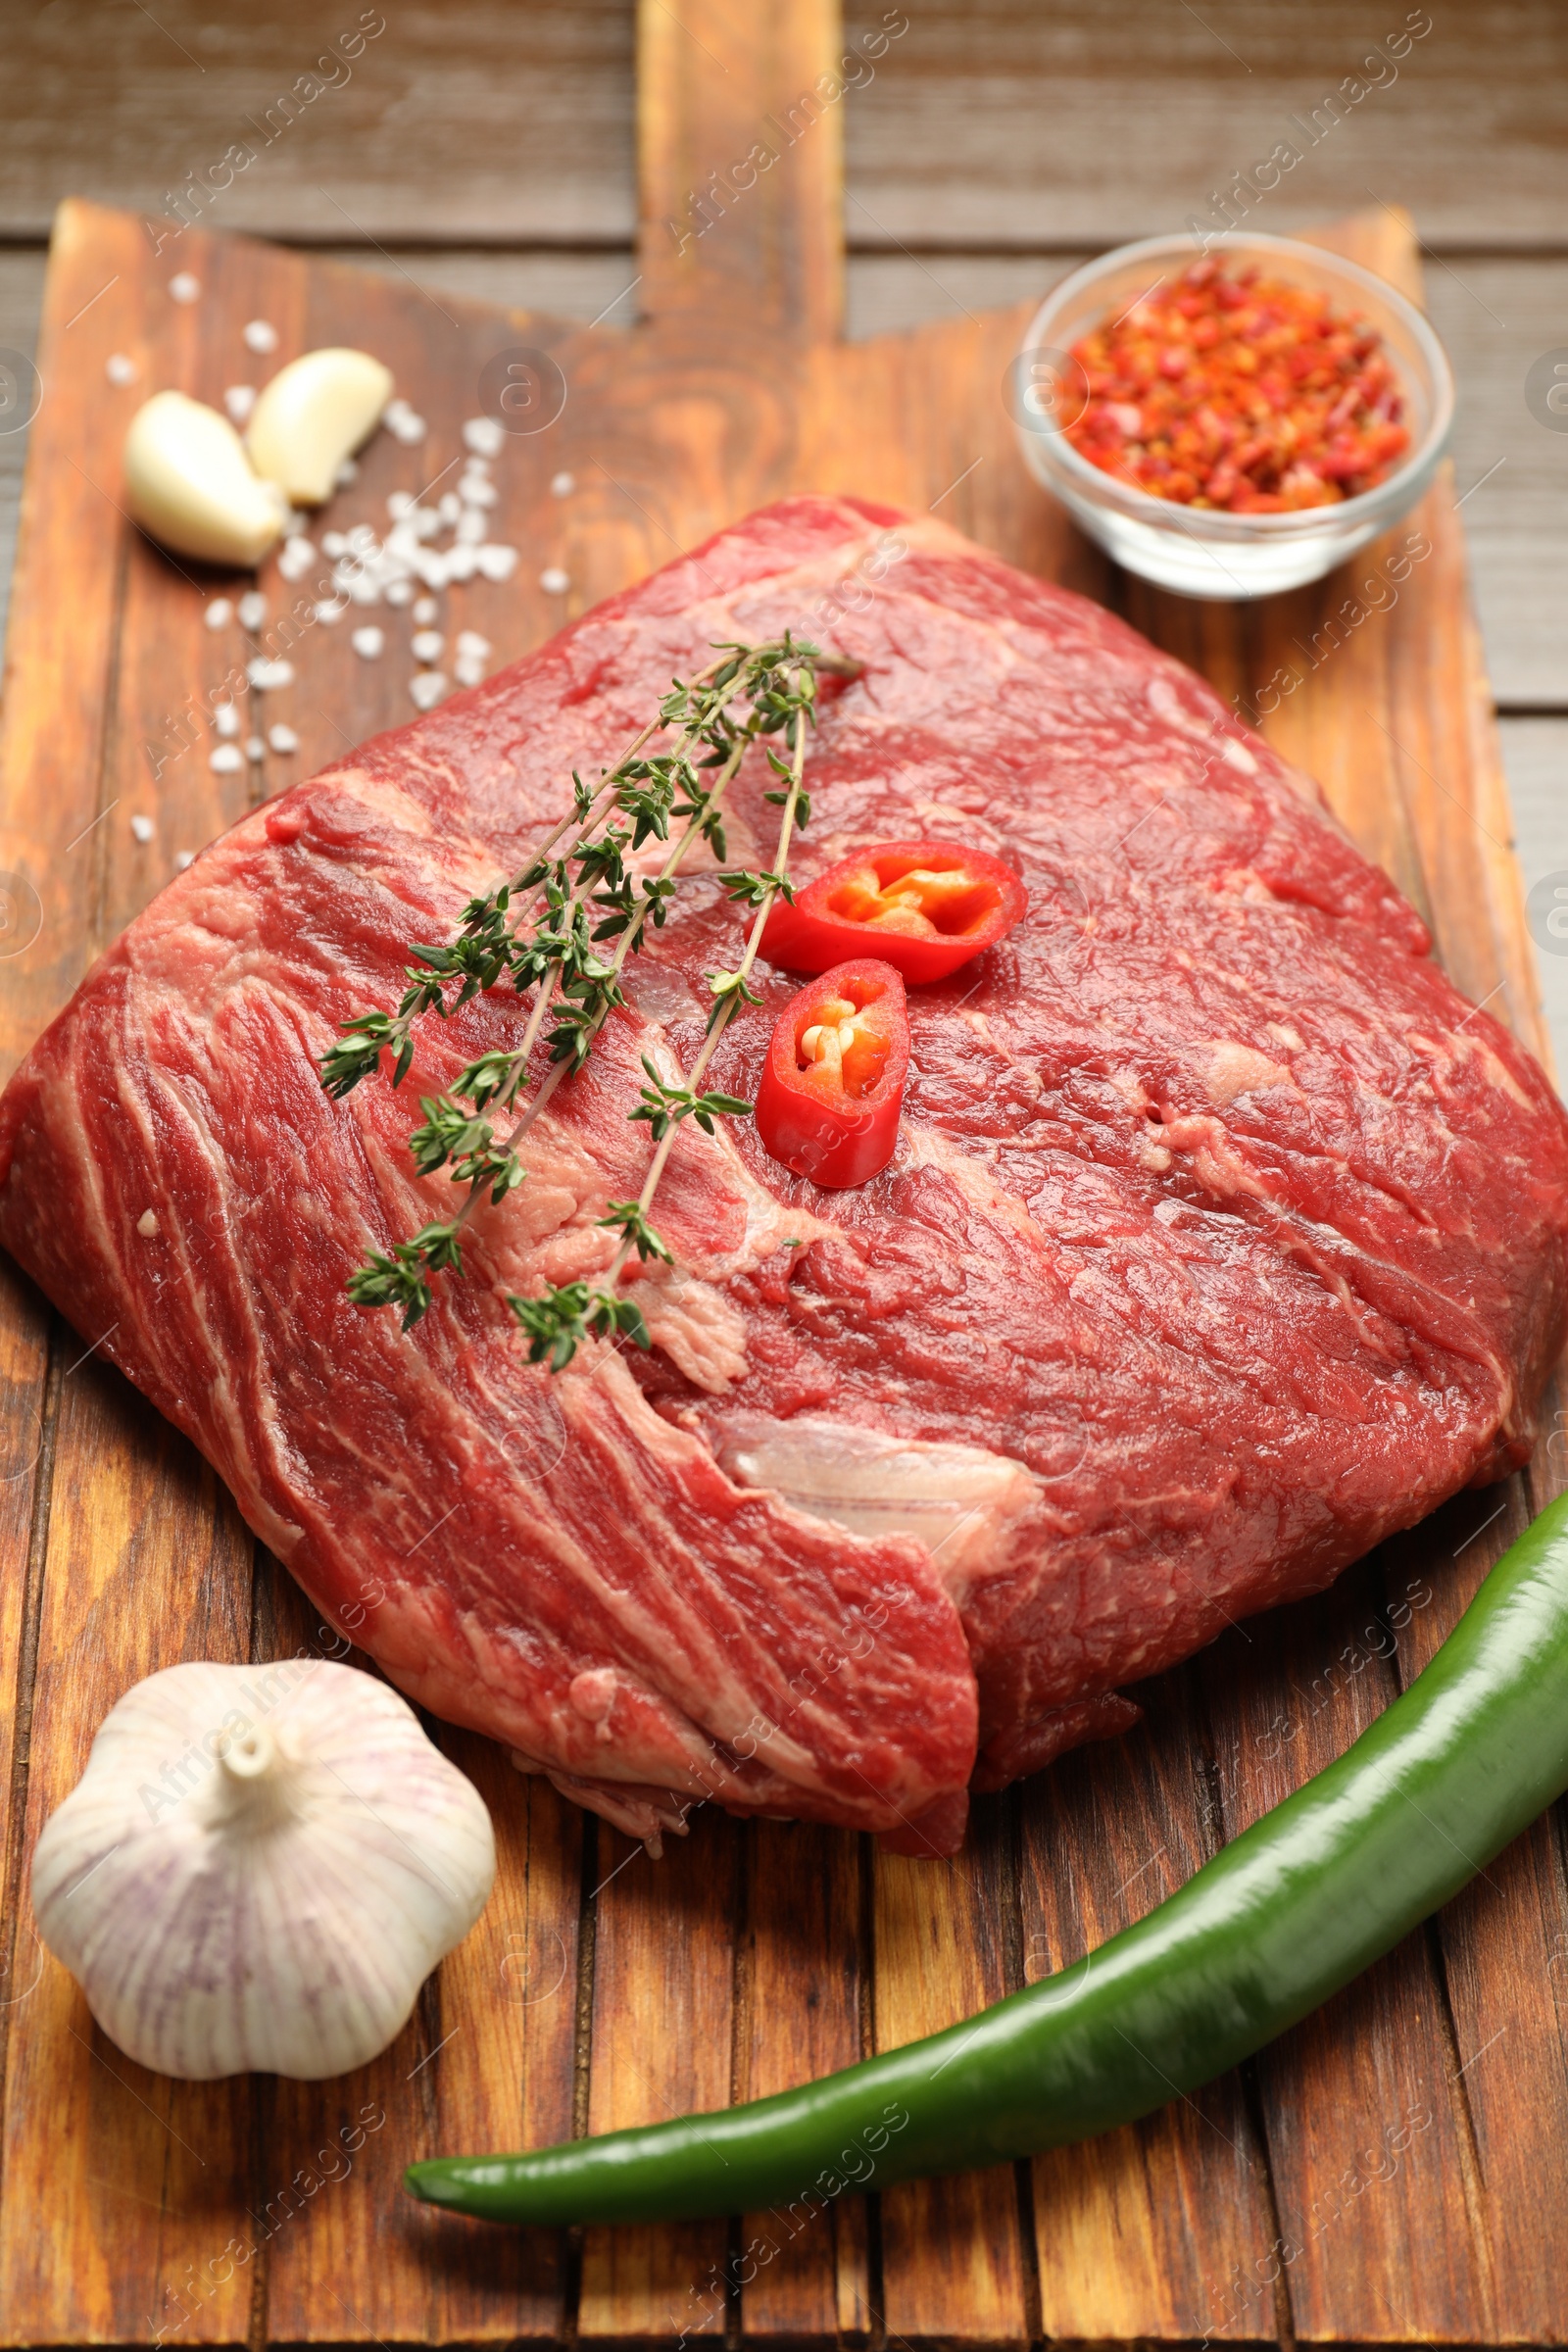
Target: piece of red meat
[(1223, 1238)]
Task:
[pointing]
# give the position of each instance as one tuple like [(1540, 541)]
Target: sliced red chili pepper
[(833, 1083), (925, 906)]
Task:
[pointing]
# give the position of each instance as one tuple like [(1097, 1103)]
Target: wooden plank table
[(1389, 2171)]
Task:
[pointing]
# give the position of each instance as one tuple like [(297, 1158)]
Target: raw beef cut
[(1222, 1237)]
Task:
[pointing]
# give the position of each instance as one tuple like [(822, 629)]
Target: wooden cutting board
[(1394, 2169)]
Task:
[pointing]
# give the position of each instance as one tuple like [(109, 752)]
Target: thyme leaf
[(401, 1279), (664, 1106), (629, 1219), (751, 890), (365, 1039), (494, 1078), (559, 1321), (450, 1135)]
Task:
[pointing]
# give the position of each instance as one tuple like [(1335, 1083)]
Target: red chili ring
[(832, 1087), (924, 906)]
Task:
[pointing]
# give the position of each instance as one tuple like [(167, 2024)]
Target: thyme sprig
[(557, 1323), (546, 930)]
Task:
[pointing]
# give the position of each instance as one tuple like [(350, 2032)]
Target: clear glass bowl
[(1205, 552)]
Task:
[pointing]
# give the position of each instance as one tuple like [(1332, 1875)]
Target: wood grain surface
[(988, 122), (1393, 2170)]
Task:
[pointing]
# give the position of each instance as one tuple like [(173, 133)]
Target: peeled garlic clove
[(259, 1868), (189, 483), (314, 414)]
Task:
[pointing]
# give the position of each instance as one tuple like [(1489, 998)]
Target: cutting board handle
[(740, 137)]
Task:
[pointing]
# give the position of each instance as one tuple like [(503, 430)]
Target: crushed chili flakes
[(1242, 392)]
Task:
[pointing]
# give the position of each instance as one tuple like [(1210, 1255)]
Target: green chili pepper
[(1293, 1909)]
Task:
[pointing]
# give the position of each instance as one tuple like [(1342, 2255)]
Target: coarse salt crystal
[(461, 561), (406, 426), (450, 508), (255, 749), (183, 858), (400, 503), (147, 1225), (469, 669), (239, 400), (225, 718), (561, 485), (399, 592), (472, 526), (120, 369), (429, 645), (225, 760), (426, 611), (432, 568), (484, 436), (143, 828), (185, 287), (476, 491), (252, 609), (331, 609), (296, 559), (283, 739), (554, 581), (368, 641), (475, 647), (264, 675), (261, 335), (427, 688), (218, 613), (361, 539), (363, 587), (497, 562), (333, 544)]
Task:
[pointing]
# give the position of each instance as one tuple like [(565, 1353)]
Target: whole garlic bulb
[(259, 1868)]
